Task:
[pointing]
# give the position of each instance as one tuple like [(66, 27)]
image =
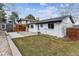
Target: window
[(41, 25), (3, 26), (31, 25), (10, 21), (51, 26)]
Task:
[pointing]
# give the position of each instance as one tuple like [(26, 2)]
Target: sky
[(41, 10)]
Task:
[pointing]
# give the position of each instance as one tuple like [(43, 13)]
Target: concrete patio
[(21, 34), (7, 47)]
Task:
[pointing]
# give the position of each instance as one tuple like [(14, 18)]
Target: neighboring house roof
[(25, 20), (21, 20), (57, 19)]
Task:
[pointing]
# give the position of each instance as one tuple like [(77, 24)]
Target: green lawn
[(46, 45)]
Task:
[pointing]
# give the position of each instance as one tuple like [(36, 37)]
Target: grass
[(45, 45)]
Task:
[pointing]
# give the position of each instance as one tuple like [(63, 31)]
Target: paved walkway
[(21, 34), (4, 46), (14, 49), (7, 47)]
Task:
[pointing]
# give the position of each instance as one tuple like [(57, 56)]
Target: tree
[(14, 16), (30, 16), (2, 13), (1, 6)]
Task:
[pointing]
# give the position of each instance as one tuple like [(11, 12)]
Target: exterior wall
[(59, 28), (66, 23), (45, 30), (22, 22), (9, 27), (55, 32), (34, 29)]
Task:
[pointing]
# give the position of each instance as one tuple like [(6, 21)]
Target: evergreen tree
[(2, 13), (30, 16)]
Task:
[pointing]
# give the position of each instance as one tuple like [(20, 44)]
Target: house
[(7, 25), (53, 26), (21, 25), (14, 26)]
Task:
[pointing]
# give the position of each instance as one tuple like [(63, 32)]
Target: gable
[(71, 19), (67, 20)]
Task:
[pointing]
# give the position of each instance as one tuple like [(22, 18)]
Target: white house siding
[(55, 32), (66, 23), (34, 29), (43, 29), (59, 28)]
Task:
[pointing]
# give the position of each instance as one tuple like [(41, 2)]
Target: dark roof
[(57, 19), (21, 19)]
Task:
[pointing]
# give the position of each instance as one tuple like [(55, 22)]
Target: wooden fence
[(19, 28), (73, 33)]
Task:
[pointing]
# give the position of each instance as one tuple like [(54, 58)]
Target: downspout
[(38, 29)]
